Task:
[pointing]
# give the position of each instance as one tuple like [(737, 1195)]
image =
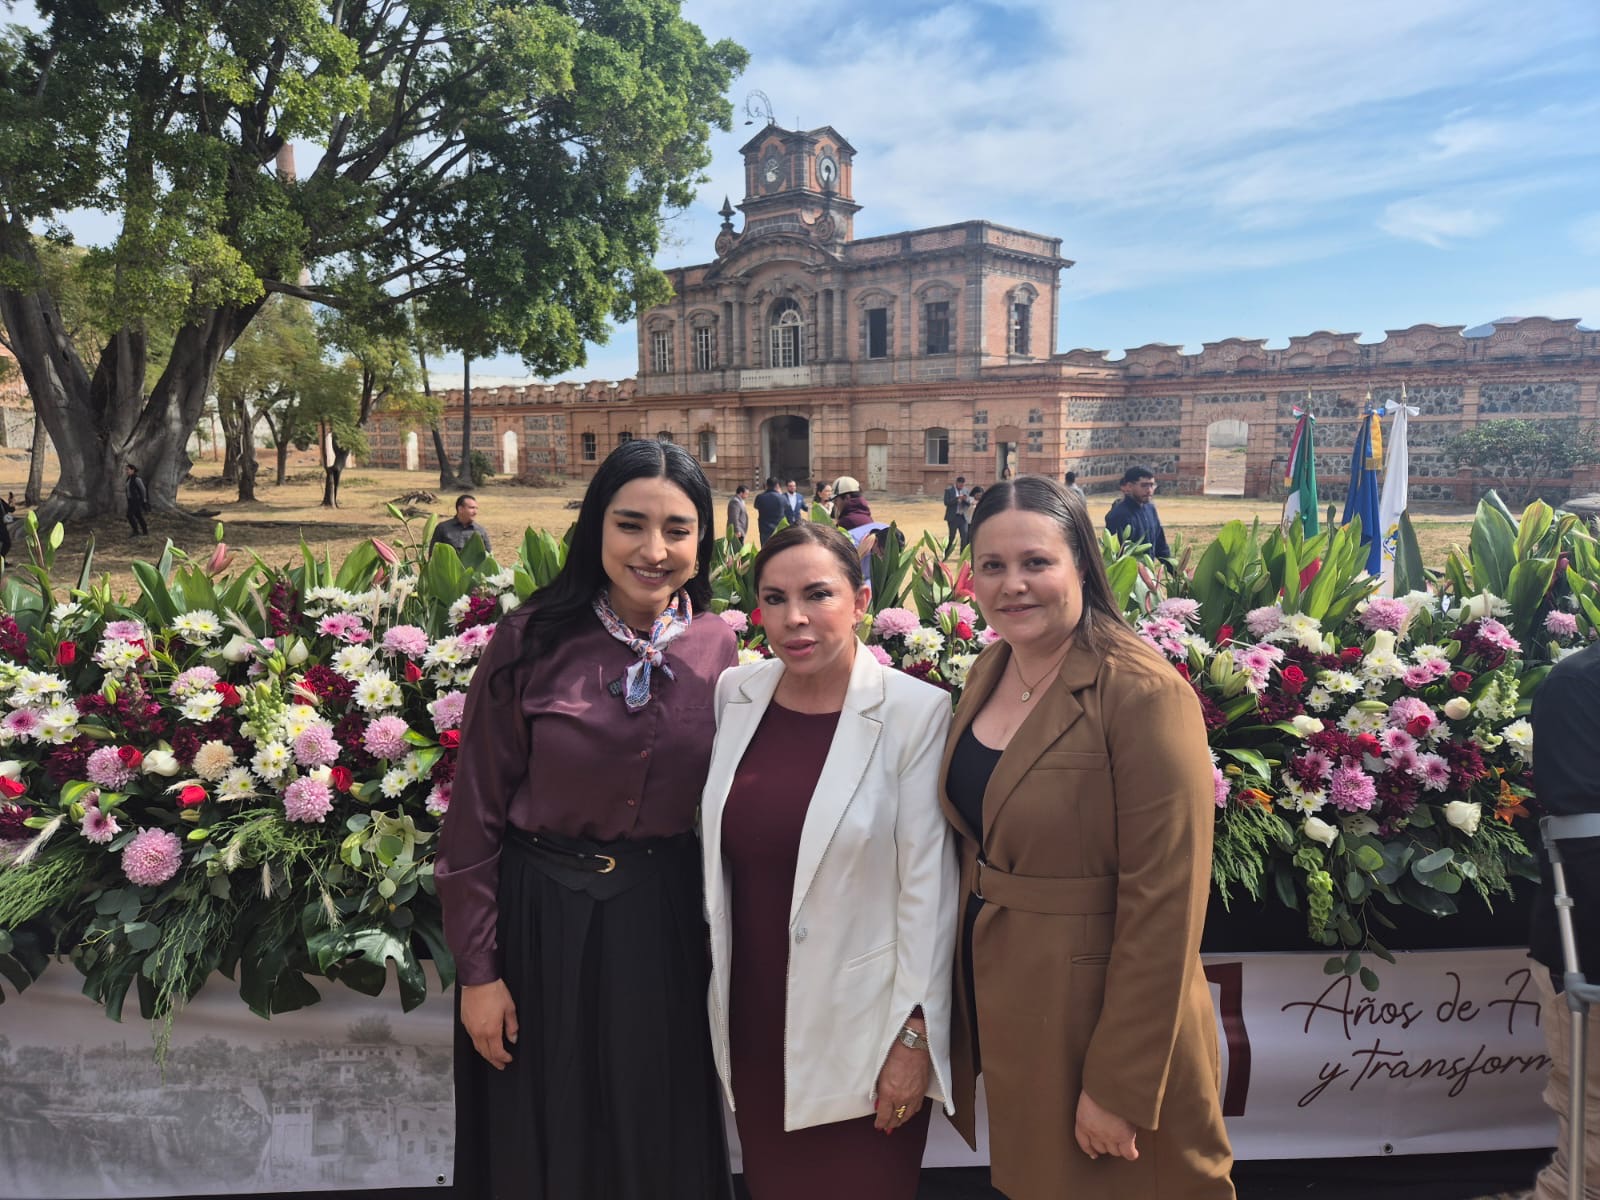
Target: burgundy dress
[(761, 824)]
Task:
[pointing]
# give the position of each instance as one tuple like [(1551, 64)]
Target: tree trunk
[(334, 459), (246, 455), (447, 475), (283, 460), (464, 471), (41, 447), (101, 423)]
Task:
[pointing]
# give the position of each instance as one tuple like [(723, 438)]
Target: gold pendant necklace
[(1027, 688)]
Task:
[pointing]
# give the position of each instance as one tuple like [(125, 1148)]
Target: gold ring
[(900, 1112)]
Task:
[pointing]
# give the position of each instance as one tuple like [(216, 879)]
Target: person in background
[(955, 522), (1079, 782), (824, 498), (830, 884), (968, 507), (568, 867), (7, 507), (1073, 486), (1566, 764), (459, 528), (739, 515), (794, 504), (138, 502), (849, 508), (769, 510), (1134, 517)]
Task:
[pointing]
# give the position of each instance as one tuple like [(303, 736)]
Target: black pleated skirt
[(612, 1091)]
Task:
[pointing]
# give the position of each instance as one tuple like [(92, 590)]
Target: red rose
[(1183, 669), (450, 739), (963, 630), (1419, 725), (11, 788), (229, 694), (66, 654), (131, 756), (341, 778), (755, 617), (1293, 679), (1368, 744), (1460, 681), (413, 672), (192, 795), (1224, 635), (1350, 655)]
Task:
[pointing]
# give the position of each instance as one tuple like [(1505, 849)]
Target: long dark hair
[(565, 601), (1102, 626), (813, 533)]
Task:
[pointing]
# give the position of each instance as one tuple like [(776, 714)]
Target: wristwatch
[(911, 1039)]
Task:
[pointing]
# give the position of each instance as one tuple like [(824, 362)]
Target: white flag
[(1396, 484)]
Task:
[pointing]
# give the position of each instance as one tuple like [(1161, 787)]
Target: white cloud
[(1433, 223)]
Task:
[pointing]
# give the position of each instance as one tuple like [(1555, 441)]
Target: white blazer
[(872, 922)]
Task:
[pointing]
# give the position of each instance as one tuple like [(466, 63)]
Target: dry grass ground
[(274, 525)]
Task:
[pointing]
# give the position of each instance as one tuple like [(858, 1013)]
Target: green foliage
[(482, 468), (1527, 450), (1247, 836)]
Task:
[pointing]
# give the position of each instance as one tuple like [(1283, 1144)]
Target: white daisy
[(272, 760), (201, 707)]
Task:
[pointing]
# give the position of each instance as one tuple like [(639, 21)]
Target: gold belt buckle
[(611, 864)]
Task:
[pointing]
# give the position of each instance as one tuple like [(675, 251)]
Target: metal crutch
[(1579, 991)]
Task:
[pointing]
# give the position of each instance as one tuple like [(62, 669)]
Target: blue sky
[(1228, 168)]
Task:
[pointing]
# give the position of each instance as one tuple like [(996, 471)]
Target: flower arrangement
[(245, 773)]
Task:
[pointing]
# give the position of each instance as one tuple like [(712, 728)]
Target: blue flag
[(1362, 500)]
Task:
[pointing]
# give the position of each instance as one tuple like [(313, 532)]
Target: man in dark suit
[(769, 510), (794, 504), (955, 520)]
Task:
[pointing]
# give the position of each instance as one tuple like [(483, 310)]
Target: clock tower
[(799, 181)]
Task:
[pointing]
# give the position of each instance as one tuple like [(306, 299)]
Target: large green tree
[(507, 161)]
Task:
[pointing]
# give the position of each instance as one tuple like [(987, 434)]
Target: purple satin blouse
[(568, 758)]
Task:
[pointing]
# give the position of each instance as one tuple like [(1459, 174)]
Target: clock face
[(771, 169), (827, 170)]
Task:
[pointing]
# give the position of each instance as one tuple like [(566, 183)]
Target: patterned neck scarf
[(636, 683)]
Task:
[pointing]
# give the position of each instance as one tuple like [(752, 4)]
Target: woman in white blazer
[(830, 889)]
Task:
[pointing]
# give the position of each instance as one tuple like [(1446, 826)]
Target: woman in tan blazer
[(1078, 779)]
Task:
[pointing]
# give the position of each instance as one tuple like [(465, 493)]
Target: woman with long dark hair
[(1078, 780), (568, 866)]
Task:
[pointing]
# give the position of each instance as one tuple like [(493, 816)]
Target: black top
[(1566, 773), (769, 511), (970, 768)]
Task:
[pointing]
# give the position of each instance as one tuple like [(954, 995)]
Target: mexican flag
[(1301, 476)]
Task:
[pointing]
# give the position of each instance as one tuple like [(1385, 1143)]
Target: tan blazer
[(1095, 871)]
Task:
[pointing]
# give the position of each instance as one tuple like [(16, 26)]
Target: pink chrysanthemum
[(963, 612), (23, 723), (882, 655), (1179, 608), (106, 768), (126, 631), (1434, 772), (1263, 621), (1496, 634), (895, 622), (1219, 786), (1383, 612), (97, 826), (1561, 624), (988, 636), (1416, 677), (307, 800), (386, 737), (447, 710), (1396, 739), (735, 620), (316, 747), (438, 801), (409, 640), (194, 681), (1352, 790), (473, 640), (1408, 709), (346, 627), (152, 857)]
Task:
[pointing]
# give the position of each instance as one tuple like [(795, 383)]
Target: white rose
[(1305, 726), (508, 601), (321, 774), (1464, 815), (298, 653), (10, 769), (1319, 830), (237, 650), (160, 762), (1358, 825), (1457, 707), (1382, 642)]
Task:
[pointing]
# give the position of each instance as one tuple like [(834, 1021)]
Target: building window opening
[(787, 333), (591, 449), (708, 446), (980, 440), (624, 437), (661, 352), (704, 348), (877, 333), (938, 445), (1021, 338), (936, 321), (664, 435), (1036, 416), (980, 416)]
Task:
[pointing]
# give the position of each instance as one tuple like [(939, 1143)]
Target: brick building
[(803, 352)]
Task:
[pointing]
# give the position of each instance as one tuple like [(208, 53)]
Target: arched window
[(786, 335)]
